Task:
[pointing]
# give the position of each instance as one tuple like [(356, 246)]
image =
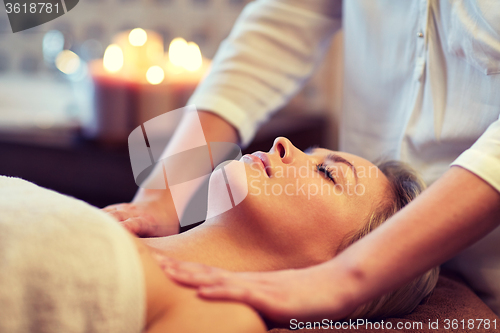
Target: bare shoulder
[(159, 290), (174, 308), (199, 315)]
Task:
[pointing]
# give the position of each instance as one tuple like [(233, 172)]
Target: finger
[(194, 277), (194, 267), (114, 207), (144, 226), (141, 226), (120, 215), (109, 209), (227, 292), (196, 274), (259, 298), (162, 259), (192, 280), (133, 225)]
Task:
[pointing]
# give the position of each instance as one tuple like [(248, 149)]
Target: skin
[(262, 233), (171, 307)]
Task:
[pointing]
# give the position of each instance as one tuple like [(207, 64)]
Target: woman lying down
[(68, 267)]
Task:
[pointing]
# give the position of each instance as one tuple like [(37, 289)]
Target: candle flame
[(193, 59), (138, 37), (177, 50), (184, 54), (155, 75), (113, 58)]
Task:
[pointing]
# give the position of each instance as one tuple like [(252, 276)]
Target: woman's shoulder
[(197, 315), (175, 308)]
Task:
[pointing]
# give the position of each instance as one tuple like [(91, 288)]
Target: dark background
[(103, 175)]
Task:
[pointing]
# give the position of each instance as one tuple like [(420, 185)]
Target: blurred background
[(66, 107)]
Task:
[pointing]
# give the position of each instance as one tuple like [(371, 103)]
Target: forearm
[(456, 211)]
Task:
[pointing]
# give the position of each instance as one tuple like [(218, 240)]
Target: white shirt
[(421, 82)]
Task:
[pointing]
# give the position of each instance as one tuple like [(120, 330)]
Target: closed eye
[(323, 169)]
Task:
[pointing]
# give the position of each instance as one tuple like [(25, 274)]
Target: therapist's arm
[(152, 212), (457, 210)]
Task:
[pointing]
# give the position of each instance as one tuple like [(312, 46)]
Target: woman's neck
[(222, 242)]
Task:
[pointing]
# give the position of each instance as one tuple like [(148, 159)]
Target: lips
[(265, 161), (261, 159)]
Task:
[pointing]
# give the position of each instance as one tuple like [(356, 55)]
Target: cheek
[(325, 225), (318, 210)]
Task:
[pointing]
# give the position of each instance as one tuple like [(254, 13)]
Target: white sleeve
[(483, 158), (273, 48)]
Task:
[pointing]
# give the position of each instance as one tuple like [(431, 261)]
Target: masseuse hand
[(150, 214), (302, 294)]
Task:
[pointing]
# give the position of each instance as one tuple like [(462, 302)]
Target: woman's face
[(304, 201)]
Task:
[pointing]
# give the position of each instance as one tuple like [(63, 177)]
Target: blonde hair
[(405, 185)]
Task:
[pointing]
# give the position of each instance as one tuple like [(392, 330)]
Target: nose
[(284, 148)]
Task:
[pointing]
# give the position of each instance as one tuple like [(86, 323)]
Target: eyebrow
[(332, 157), (339, 159)]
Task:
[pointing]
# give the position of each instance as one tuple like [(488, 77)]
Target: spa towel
[(65, 266)]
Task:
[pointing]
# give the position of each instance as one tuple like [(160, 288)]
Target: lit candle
[(141, 50), (148, 82), (184, 63)]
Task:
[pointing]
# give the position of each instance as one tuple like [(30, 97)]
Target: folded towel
[(65, 266)]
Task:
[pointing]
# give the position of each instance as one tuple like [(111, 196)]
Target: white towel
[(65, 266)]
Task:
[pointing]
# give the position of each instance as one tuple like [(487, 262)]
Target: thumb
[(133, 225)]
